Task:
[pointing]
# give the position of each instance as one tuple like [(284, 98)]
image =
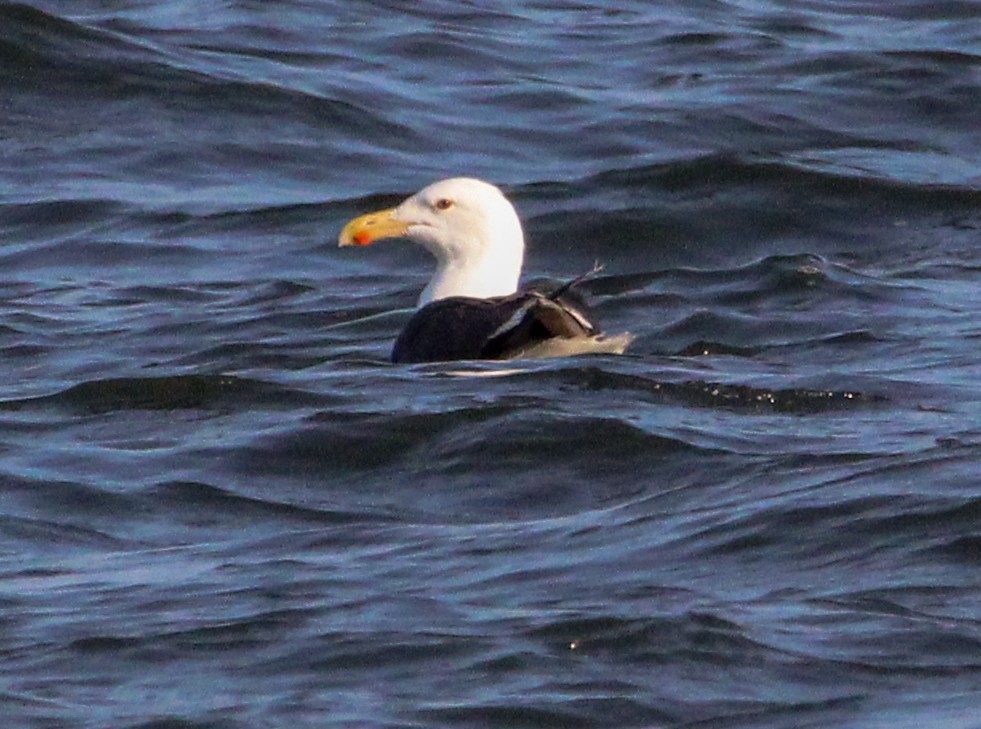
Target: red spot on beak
[(362, 238)]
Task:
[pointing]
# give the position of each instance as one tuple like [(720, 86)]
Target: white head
[(467, 224)]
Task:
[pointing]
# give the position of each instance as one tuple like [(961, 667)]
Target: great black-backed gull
[(472, 308)]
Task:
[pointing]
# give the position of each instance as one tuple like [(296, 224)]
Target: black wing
[(461, 327)]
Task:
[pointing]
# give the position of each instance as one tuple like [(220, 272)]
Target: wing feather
[(461, 327)]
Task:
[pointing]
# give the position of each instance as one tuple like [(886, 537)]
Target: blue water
[(221, 506)]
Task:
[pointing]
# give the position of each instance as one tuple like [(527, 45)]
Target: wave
[(727, 170), (173, 392), (46, 54)]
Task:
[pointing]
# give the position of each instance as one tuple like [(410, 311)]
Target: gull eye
[(444, 203)]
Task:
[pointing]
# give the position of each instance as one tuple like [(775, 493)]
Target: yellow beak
[(371, 227)]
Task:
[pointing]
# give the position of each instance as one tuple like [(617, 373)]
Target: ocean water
[(221, 507)]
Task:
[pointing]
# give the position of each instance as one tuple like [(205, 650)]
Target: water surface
[(221, 507)]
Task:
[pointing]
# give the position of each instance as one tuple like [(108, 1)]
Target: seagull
[(472, 307)]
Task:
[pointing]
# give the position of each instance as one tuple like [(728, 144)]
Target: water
[(221, 507)]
